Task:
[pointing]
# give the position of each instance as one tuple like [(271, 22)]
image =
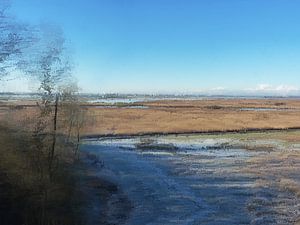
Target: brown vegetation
[(29, 195), (185, 116), (191, 116)]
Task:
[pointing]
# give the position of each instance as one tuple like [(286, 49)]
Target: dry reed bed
[(179, 116)]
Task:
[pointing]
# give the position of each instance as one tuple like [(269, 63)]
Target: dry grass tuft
[(290, 185)]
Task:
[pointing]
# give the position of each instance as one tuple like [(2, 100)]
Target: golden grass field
[(181, 116)]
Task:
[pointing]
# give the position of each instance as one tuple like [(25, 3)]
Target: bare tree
[(41, 53), (15, 38), (49, 63), (74, 115)]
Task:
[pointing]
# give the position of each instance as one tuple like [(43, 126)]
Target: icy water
[(183, 181)]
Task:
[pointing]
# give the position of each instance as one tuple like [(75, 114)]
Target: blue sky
[(165, 46)]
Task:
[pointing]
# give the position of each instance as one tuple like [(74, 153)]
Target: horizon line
[(124, 94)]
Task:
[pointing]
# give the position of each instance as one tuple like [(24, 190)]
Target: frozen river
[(191, 181)]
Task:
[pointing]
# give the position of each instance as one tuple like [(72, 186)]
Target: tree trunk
[(54, 135), (78, 143)]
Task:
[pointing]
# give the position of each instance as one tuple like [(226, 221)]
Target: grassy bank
[(28, 194)]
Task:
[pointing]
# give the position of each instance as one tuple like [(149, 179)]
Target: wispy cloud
[(268, 87), (258, 90), (282, 89), (218, 89)]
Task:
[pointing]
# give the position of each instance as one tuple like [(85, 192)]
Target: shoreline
[(213, 132), (105, 201)]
